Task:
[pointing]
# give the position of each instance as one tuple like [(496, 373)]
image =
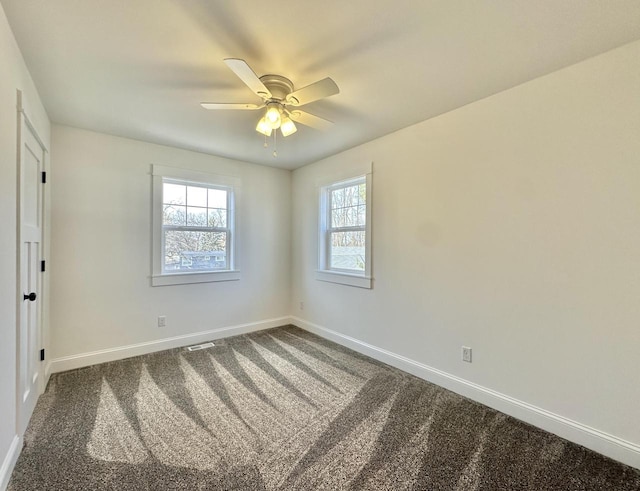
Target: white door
[(31, 162)]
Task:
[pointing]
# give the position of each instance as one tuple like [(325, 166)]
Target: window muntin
[(346, 230), (196, 236)]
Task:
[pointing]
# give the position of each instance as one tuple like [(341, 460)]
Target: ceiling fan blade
[(318, 90), (309, 120), (223, 105), (248, 76)]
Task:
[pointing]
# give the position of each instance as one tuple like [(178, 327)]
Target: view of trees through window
[(348, 215), (195, 227)]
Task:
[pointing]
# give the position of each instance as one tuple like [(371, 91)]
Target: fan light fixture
[(264, 127), (287, 127), (272, 116), (275, 117)]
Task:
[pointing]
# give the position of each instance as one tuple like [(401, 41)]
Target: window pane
[(337, 198), (217, 198), (347, 250), (217, 217), (174, 194), (362, 194), (351, 216), (337, 218), (196, 217), (194, 251), (196, 196), (362, 215), (174, 215), (349, 196), (343, 217), (352, 195)]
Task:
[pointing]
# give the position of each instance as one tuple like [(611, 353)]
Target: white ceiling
[(140, 68)]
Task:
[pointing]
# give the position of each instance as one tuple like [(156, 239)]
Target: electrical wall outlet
[(466, 354), (162, 321), (301, 305)]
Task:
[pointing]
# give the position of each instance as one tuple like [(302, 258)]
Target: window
[(346, 226), (193, 232), (345, 232)]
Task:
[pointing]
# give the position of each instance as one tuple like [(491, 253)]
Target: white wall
[(13, 76), (511, 225), (101, 245)]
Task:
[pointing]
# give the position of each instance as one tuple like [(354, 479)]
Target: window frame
[(161, 174), (325, 272)]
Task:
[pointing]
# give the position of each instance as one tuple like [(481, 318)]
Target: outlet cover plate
[(466, 354)]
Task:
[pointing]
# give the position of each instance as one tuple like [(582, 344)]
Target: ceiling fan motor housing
[(280, 87)]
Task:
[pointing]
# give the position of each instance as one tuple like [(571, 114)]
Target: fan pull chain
[(275, 144), (265, 141)]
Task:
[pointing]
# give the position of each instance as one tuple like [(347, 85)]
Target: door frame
[(25, 122)]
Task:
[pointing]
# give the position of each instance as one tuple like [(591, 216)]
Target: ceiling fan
[(279, 98)]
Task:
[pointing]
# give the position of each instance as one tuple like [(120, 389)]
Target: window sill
[(356, 280), (187, 278)]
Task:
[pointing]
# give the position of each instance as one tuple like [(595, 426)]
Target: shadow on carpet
[(283, 409)]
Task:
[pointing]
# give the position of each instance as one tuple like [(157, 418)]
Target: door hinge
[(43, 266), (42, 354), (44, 177)]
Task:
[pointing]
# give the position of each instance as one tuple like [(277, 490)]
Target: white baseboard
[(596, 440), (9, 462), (47, 373), (94, 357)]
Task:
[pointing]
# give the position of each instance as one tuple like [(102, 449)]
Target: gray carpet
[(284, 409)]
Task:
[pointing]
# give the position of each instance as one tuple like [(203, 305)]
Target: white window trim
[(158, 278), (324, 273)]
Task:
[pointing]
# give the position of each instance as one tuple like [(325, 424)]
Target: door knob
[(31, 297)]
